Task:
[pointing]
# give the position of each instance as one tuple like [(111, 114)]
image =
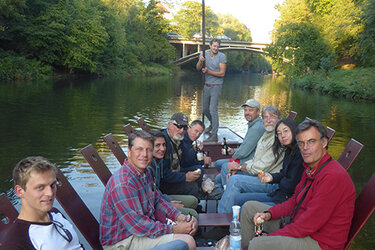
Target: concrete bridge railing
[(188, 50)]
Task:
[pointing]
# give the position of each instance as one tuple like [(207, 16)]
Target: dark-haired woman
[(290, 174), (287, 178)]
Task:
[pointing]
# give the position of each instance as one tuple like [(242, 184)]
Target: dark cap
[(180, 118)]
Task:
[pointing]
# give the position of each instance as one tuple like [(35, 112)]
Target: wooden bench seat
[(143, 125), (350, 153), (292, 115), (115, 147), (214, 219)]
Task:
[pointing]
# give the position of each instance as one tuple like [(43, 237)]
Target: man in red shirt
[(320, 210)]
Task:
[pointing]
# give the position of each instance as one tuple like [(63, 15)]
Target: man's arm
[(166, 207), (220, 73), (128, 207), (318, 210), (249, 143), (199, 65)]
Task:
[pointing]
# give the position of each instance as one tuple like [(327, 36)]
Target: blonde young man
[(38, 225)]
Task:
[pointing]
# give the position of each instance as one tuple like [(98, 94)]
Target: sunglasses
[(179, 126), (62, 231)]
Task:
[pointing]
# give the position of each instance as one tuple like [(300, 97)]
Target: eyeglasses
[(285, 132), (309, 143), (62, 231), (179, 126)]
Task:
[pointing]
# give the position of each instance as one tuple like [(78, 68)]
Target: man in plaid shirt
[(131, 207)]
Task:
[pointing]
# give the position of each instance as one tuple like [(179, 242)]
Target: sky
[(257, 15)]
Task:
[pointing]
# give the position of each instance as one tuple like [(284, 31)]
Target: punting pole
[(203, 51)]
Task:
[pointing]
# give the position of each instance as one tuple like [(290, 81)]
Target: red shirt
[(326, 213)]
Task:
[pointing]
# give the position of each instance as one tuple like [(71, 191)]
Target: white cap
[(236, 211)]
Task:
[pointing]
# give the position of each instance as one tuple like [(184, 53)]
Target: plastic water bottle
[(235, 234)]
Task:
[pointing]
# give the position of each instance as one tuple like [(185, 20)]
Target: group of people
[(149, 202), (281, 175)]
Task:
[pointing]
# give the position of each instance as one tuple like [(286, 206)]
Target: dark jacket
[(288, 177), (170, 176), (189, 155)]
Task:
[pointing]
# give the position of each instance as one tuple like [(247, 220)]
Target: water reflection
[(58, 118)]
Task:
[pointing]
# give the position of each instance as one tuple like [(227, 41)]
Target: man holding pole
[(213, 65)]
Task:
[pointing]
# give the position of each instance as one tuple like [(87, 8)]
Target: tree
[(232, 27), (366, 39), (189, 19), (301, 44)]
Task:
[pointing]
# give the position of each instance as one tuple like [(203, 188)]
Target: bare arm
[(200, 63), (221, 73)]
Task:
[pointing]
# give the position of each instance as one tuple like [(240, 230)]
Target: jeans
[(240, 199), (211, 96), (225, 171), (173, 245), (220, 163), (242, 184)]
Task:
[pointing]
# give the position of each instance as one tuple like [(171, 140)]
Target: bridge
[(188, 50)]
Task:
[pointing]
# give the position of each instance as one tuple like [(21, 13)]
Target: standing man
[(320, 210), (255, 130), (131, 205), (216, 64), (39, 225)]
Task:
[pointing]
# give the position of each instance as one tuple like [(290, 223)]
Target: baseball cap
[(180, 118), (251, 103)]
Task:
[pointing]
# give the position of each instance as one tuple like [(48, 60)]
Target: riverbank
[(358, 83), (14, 67)]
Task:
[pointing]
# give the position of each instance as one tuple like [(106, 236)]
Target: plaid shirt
[(128, 207)]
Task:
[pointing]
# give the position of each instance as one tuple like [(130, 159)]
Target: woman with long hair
[(290, 174)]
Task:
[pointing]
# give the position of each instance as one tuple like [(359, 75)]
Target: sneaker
[(212, 138)]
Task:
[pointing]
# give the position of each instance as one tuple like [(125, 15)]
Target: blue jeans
[(225, 171), (211, 96), (238, 184), (219, 163), (172, 245), (240, 199)]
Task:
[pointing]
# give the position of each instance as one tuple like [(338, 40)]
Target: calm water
[(56, 119)]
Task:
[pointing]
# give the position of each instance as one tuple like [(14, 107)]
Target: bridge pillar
[(184, 50)]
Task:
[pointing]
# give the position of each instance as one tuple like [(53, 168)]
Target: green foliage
[(94, 36), (301, 45), (189, 19), (326, 64), (14, 67), (336, 20), (321, 6), (366, 40), (358, 83), (232, 27), (340, 27)]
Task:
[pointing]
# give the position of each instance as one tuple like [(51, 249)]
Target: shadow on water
[(58, 118)]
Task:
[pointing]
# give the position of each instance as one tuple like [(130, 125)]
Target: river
[(57, 118)]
